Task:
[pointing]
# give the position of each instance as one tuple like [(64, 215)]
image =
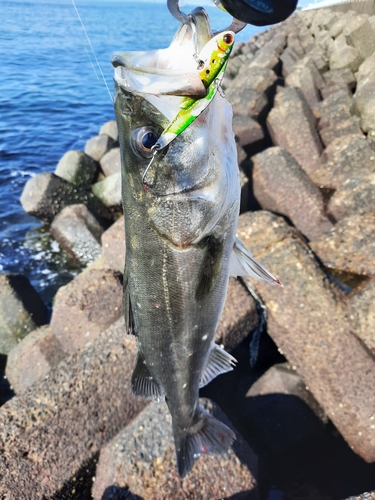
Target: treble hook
[(174, 9)]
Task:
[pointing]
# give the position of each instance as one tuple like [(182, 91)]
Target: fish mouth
[(171, 72)]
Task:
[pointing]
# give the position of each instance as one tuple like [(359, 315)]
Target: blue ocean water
[(53, 99)]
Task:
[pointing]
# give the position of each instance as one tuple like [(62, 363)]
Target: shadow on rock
[(117, 493)]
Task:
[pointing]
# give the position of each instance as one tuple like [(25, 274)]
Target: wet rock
[(32, 359), (346, 156), (344, 56), (365, 100), (85, 307), (97, 146), (362, 315), (111, 162), (247, 130), (46, 194), (302, 77), (113, 244), (239, 317), (349, 246), (50, 432), (110, 128), (21, 310), (275, 176), (109, 191), (142, 459), (355, 196), (78, 168), (78, 232), (359, 34), (299, 138), (307, 321)]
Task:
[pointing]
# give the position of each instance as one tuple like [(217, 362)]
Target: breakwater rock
[(302, 398)]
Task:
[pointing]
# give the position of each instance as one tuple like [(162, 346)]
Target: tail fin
[(208, 435)]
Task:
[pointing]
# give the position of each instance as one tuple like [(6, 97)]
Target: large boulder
[(78, 232), (362, 315), (111, 162), (359, 34), (280, 185), (46, 194), (85, 307), (113, 245), (21, 310), (78, 168), (108, 191), (355, 196), (110, 128), (299, 138), (98, 146)]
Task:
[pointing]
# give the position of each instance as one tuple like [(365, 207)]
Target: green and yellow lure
[(214, 58)]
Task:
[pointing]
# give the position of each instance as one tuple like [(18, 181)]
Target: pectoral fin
[(219, 362), (143, 384), (242, 263)]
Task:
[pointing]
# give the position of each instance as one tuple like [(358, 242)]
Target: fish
[(180, 226)]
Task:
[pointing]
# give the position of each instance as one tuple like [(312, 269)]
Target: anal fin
[(219, 361), (143, 384), (242, 263)]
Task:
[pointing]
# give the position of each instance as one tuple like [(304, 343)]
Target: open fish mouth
[(163, 76)]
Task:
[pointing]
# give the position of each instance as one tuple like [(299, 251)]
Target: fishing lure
[(213, 60)]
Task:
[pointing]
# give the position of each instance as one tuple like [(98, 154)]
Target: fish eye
[(142, 140), (228, 38)]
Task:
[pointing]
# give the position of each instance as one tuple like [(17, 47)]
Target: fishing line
[(92, 49)]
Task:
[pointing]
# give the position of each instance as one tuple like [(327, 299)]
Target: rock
[(142, 459), (248, 91), (307, 321), (239, 317), (114, 248), (355, 196), (85, 307), (77, 168), (366, 71), (364, 496), (288, 59), (345, 157), (247, 130), (111, 162), (109, 191), (265, 58), (344, 56), (97, 146), (336, 80), (46, 194), (359, 34), (32, 359), (78, 232), (347, 127), (337, 28), (275, 176), (110, 128), (21, 310), (302, 77), (365, 100), (336, 107), (245, 192), (299, 138), (51, 432), (362, 315), (349, 246)]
